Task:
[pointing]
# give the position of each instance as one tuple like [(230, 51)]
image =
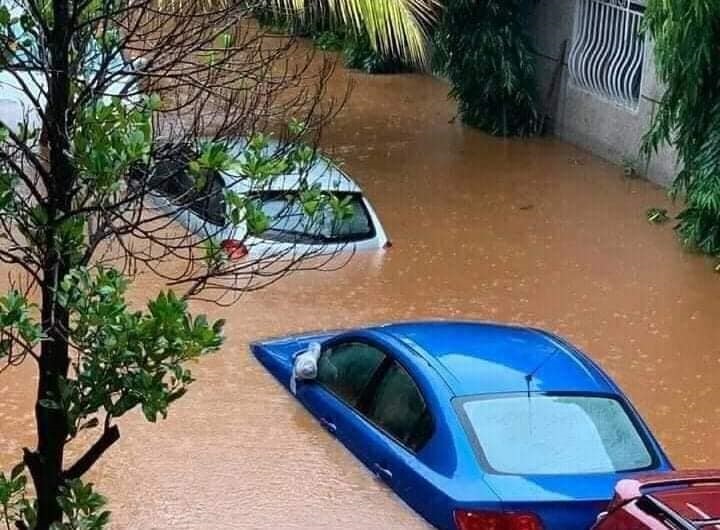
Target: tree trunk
[(51, 422), (46, 464)]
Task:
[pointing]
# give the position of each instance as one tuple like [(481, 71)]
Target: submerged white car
[(291, 233)]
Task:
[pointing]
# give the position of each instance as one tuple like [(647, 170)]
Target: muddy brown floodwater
[(532, 232)]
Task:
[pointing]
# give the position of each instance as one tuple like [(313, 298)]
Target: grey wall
[(601, 126)]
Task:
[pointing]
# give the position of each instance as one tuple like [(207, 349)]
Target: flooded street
[(531, 232)]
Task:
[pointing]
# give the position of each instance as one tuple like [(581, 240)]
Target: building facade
[(597, 80)]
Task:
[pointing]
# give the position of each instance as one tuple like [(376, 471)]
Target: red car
[(661, 501)]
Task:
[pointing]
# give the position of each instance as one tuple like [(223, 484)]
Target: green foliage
[(396, 28), (14, 507), (81, 505), (329, 40), (487, 58), (101, 358), (358, 51), (261, 164), (257, 221), (110, 137), (359, 54), (277, 20), (16, 322), (686, 35), (128, 358)]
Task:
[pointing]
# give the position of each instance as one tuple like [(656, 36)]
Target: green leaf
[(4, 16), (154, 102)]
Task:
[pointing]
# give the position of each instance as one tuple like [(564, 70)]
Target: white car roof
[(323, 173)]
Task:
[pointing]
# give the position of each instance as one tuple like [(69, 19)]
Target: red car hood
[(697, 502), (693, 494)]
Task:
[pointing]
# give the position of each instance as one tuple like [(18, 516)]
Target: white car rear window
[(555, 435), (290, 223)]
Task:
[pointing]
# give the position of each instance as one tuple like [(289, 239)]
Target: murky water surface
[(533, 232)]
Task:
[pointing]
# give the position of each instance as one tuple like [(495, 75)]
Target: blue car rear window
[(555, 434)]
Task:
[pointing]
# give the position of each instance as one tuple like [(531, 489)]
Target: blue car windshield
[(554, 434)]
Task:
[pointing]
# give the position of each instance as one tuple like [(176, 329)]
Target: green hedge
[(356, 50), (483, 48), (687, 55)]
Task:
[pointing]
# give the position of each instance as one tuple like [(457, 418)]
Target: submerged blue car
[(476, 426)]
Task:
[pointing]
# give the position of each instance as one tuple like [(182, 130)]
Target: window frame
[(365, 398), (355, 238), (459, 402)]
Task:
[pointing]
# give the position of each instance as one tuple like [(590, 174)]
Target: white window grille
[(608, 49)]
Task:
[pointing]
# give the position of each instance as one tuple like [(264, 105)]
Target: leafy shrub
[(686, 35), (328, 35), (329, 40), (82, 507), (482, 46), (359, 55)]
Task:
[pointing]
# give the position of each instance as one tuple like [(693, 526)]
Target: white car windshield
[(554, 434), (290, 223)]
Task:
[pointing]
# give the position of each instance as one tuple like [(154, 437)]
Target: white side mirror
[(305, 365)]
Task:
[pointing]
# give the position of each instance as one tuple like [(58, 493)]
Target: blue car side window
[(347, 369), (398, 408)]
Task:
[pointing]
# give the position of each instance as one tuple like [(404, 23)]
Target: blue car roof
[(483, 358)]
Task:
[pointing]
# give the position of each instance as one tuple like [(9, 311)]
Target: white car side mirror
[(305, 365)]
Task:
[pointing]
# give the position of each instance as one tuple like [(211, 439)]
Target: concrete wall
[(601, 126)]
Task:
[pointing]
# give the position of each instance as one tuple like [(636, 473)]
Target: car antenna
[(529, 376)]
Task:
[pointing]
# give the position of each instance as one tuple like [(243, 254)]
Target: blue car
[(476, 426)]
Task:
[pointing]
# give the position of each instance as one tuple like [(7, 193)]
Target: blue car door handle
[(329, 426), (381, 472)]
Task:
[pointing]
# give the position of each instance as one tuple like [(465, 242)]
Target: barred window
[(608, 49)]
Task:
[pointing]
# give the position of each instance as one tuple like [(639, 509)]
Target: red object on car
[(688, 500), (471, 520), (235, 249)]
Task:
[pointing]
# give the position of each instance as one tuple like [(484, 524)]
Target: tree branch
[(33, 463), (85, 462)]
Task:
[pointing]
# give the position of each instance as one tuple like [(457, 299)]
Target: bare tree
[(129, 110)]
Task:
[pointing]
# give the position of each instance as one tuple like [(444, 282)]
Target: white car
[(291, 233), (19, 76)]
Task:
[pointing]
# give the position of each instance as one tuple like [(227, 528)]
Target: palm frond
[(397, 28)]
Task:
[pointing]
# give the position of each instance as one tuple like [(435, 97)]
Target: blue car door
[(398, 426), (345, 371), (372, 405)]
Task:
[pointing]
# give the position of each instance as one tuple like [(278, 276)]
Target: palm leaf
[(397, 28)]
